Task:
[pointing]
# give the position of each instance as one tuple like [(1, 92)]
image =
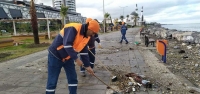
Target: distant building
[(70, 3), (57, 3), (19, 9), (140, 20)]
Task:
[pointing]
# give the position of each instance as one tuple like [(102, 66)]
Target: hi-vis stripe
[(72, 84), (91, 63), (82, 71), (50, 90), (61, 35), (69, 46), (83, 53)]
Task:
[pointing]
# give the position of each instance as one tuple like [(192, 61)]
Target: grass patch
[(12, 52), (5, 37)]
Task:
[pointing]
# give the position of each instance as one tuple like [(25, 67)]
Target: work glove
[(90, 70), (79, 62), (99, 45)]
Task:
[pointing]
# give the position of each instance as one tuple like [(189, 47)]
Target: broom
[(114, 78)]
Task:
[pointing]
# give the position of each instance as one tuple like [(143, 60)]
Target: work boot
[(83, 74), (126, 41)]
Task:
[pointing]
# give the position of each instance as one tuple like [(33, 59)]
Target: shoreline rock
[(182, 36), (182, 41)]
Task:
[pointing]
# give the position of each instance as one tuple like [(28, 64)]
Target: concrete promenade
[(28, 74)]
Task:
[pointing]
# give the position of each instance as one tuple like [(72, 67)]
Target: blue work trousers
[(54, 68), (123, 37)]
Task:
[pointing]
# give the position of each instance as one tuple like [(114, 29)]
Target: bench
[(142, 33), (19, 38), (6, 42), (152, 42)]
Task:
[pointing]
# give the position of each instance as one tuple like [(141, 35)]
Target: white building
[(70, 3), (57, 3), (20, 10), (140, 20)]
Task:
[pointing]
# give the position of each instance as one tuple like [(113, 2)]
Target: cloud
[(163, 11), (177, 14), (93, 13)]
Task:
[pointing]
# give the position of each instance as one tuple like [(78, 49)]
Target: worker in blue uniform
[(123, 32), (92, 52), (71, 40)]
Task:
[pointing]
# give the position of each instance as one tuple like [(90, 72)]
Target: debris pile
[(131, 82)]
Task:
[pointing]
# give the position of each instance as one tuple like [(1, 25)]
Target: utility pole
[(123, 9), (104, 23), (53, 3)]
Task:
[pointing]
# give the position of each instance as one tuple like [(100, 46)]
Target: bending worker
[(123, 32), (71, 40), (91, 45)]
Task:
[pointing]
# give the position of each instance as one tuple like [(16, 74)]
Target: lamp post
[(123, 8), (104, 25)]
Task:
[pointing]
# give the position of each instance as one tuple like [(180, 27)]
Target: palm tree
[(34, 22), (127, 17), (121, 17), (116, 21), (135, 18), (111, 23), (106, 15), (63, 13), (132, 18), (110, 18)]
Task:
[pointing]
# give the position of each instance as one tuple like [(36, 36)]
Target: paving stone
[(95, 86), (141, 92), (33, 90), (62, 85), (24, 83), (82, 91), (105, 79), (95, 92), (135, 70), (134, 64), (19, 89), (62, 91), (103, 73), (12, 93), (153, 92), (93, 80)]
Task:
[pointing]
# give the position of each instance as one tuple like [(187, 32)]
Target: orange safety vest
[(80, 41)]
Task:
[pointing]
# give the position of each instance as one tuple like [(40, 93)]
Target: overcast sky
[(162, 11)]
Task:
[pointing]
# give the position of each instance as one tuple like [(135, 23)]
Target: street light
[(104, 29), (123, 9)]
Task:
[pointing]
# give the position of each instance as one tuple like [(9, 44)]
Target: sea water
[(184, 27)]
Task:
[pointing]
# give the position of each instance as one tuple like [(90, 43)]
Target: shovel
[(114, 78)]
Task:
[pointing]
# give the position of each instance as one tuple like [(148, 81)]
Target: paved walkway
[(27, 75)]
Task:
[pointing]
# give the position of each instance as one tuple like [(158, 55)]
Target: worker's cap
[(88, 19), (94, 26)]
